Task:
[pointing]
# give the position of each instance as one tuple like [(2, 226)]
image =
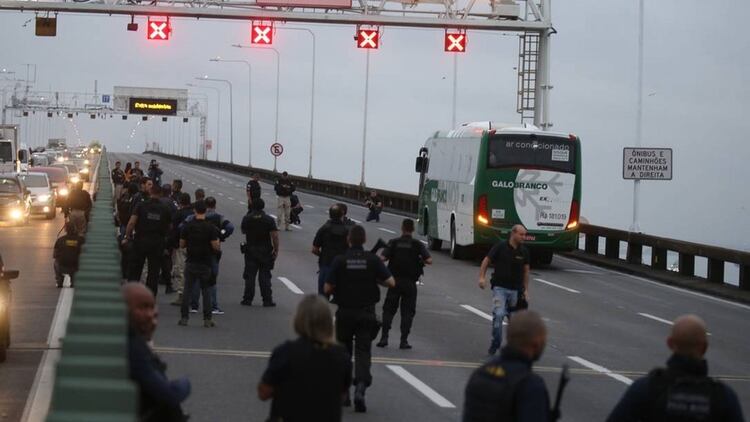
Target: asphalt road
[(609, 327)]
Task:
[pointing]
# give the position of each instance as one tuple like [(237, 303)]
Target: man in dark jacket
[(160, 398), (78, 207), (253, 188), (682, 391), (330, 241), (506, 388), (66, 252)]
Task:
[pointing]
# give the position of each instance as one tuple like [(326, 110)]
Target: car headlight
[(86, 162), (75, 179), (63, 192), (85, 171), (16, 214), (60, 159), (42, 198)]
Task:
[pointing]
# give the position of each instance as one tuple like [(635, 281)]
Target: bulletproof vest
[(490, 393), (404, 260), (71, 249), (335, 243), (284, 188), (151, 220), (682, 397), (357, 283)]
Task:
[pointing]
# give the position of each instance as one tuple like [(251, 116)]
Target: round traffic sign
[(277, 149)]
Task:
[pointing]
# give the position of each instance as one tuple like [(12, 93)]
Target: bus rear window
[(537, 152)]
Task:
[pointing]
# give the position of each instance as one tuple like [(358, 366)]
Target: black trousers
[(405, 293), (354, 329), (153, 251), (165, 275), (262, 270)]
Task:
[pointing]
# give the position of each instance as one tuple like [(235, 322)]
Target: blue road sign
[(105, 98)]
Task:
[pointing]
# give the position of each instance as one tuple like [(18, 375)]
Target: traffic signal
[(455, 41), (158, 28), (368, 38), (261, 33)]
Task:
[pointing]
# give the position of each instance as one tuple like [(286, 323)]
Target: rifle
[(564, 378)]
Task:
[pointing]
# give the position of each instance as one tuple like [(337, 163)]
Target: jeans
[(354, 329), (374, 214), (502, 301), (196, 279), (196, 295), (323, 271), (405, 292), (263, 272)]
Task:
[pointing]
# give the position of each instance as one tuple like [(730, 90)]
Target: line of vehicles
[(37, 181)]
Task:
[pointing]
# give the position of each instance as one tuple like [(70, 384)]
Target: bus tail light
[(483, 216), (575, 211)]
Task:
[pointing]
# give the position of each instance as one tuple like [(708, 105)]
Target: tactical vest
[(683, 397), (404, 259), (490, 393), (357, 282)]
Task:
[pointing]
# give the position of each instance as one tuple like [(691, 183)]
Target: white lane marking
[(386, 230), (40, 396), (240, 202), (192, 183), (664, 286), (420, 386), (570, 270), (655, 318), (230, 198), (599, 368), (356, 221), (423, 241), (221, 194), (238, 186), (291, 286), (549, 283), (309, 206), (474, 310), (274, 217), (296, 226)]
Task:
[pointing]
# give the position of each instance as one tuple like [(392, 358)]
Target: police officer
[(145, 185), (171, 245), (261, 250), (344, 210), (176, 190), (66, 252), (253, 188), (118, 179), (151, 221), (682, 391), (154, 172), (284, 189), (136, 173), (506, 388), (330, 241), (406, 256), (353, 280), (78, 207), (510, 279)]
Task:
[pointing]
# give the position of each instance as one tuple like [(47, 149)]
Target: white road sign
[(647, 163), (277, 149)]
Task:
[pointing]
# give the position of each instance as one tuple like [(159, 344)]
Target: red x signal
[(158, 28), (455, 42), (368, 38), (261, 34)]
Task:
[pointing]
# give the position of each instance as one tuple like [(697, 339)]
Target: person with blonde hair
[(308, 378)]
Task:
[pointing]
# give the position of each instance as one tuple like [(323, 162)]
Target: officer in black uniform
[(682, 391), (144, 189), (66, 252), (344, 210), (406, 256), (253, 188), (261, 249), (329, 241), (353, 280), (151, 222), (505, 388), (118, 179)]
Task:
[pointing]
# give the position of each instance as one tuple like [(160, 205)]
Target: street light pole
[(249, 104), (364, 126), (455, 89), (218, 116), (231, 114), (635, 227)]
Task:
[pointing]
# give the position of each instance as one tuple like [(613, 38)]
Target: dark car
[(15, 199)]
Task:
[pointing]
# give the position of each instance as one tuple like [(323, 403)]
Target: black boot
[(359, 398), (383, 339)]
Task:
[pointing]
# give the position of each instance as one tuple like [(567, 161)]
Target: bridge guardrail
[(92, 381), (408, 204)]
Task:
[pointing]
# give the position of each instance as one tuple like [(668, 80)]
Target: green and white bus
[(481, 179)]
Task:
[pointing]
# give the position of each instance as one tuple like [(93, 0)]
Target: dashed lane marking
[(291, 286), (598, 368), (296, 226), (221, 193), (656, 318), (420, 386), (482, 314), (309, 206), (423, 241), (571, 270), (230, 198), (356, 221), (386, 230), (549, 283)]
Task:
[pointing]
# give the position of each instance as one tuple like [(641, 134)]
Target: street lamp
[(249, 104), (218, 114), (231, 113), (278, 67)]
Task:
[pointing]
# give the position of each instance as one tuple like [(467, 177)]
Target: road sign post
[(276, 150)]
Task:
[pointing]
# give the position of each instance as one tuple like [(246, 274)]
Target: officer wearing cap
[(353, 280)]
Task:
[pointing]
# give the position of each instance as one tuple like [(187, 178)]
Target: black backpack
[(683, 398), (491, 392)]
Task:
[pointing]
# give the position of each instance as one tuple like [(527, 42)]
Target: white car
[(42, 193)]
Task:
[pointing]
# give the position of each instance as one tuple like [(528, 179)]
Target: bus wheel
[(434, 244), (456, 249)]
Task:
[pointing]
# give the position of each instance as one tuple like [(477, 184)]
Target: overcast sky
[(697, 68)]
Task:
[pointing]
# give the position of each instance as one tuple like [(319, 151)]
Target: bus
[(481, 179)]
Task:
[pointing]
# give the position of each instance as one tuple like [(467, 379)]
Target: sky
[(696, 81)]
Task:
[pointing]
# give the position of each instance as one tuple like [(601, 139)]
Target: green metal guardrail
[(91, 382)]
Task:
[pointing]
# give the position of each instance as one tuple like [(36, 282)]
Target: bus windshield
[(6, 152), (536, 152)]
